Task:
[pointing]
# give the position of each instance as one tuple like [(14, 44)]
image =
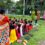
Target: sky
[(15, 0)]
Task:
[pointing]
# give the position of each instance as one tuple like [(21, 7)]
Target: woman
[(33, 15), (4, 28), (44, 15), (38, 15), (21, 29), (13, 36)]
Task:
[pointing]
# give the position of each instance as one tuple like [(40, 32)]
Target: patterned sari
[(4, 31)]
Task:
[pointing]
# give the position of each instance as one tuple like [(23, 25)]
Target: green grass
[(20, 16), (37, 35)]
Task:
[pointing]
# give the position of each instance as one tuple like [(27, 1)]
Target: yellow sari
[(13, 36)]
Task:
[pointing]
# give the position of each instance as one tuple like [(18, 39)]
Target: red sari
[(17, 33), (30, 27), (4, 30)]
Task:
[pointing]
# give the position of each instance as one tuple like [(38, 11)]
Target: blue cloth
[(0, 40)]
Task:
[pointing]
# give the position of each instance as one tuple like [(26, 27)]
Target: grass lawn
[(20, 16), (37, 35)]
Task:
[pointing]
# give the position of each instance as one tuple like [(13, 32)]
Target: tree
[(6, 3), (19, 5)]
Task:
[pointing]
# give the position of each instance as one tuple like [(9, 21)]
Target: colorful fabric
[(13, 36), (4, 30), (44, 15), (30, 27), (4, 33), (21, 30), (18, 34), (3, 20)]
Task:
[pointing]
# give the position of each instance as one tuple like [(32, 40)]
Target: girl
[(13, 36)]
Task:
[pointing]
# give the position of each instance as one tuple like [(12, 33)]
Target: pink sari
[(44, 15)]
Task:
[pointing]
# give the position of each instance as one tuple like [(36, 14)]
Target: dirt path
[(42, 42)]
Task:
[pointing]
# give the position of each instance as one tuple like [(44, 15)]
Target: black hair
[(2, 11), (19, 28), (25, 21), (11, 26)]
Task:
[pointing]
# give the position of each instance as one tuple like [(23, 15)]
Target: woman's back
[(4, 28)]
